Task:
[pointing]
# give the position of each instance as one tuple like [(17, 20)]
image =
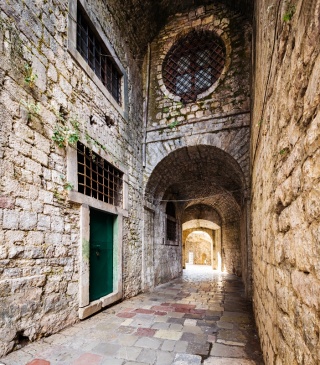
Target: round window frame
[(221, 33)]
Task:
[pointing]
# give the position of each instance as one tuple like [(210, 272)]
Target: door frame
[(87, 308), (101, 260)]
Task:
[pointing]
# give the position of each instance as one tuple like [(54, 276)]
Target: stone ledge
[(97, 305)]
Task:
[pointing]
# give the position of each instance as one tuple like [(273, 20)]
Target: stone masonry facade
[(220, 118), (40, 225), (47, 91), (242, 159), (285, 181)]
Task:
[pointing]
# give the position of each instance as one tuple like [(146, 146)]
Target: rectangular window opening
[(96, 54), (97, 178), (171, 230)]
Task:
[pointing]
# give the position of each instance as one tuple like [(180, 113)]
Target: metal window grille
[(98, 178), (96, 54), (193, 64)]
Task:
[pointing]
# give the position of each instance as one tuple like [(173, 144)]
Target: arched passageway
[(202, 237), (203, 184), (198, 247)]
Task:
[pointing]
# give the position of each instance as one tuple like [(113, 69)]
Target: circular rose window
[(194, 64)]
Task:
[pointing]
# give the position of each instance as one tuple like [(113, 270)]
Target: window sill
[(79, 198)]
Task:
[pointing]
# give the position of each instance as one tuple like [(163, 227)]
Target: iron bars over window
[(193, 64), (98, 178), (96, 54)]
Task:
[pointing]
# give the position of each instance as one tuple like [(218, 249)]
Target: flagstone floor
[(200, 318)]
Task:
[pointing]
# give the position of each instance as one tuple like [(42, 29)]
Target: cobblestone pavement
[(201, 318)]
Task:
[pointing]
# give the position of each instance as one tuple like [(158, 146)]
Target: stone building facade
[(50, 92), (100, 129)]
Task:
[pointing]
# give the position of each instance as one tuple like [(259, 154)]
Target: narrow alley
[(202, 317)]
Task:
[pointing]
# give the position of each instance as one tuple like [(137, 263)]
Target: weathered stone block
[(10, 220), (40, 70), (44, 222), (40, 157), (46, 196), (307, 287), (32, 166), (28, 221), (52, 73), (6, 202), (14, 236), (35, 238), (57, 224), (3, 252)]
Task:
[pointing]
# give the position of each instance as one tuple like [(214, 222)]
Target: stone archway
[(198, 248), (203, 182), (213, 232)]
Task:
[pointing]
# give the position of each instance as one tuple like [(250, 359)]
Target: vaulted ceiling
[(141, 20), (199, 175)]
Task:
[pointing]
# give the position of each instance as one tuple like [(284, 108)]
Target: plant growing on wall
[(66, 131), (32, 108), (291, 9), (61, 194), (173, 124), (284, 151), (30, 76)]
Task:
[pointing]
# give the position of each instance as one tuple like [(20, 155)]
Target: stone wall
[(220, 119), (285, 180), (231, 248), (39, 250), (171, 124)]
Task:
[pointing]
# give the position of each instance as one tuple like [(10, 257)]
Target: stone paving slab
[(185, 359), (184, 322), (228, 361), (220, 350)]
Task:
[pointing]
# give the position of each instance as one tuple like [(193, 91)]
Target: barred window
[(97, 178), (193, 64), (96, 54)]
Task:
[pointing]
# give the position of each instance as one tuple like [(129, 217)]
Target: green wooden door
[(101, 254)]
